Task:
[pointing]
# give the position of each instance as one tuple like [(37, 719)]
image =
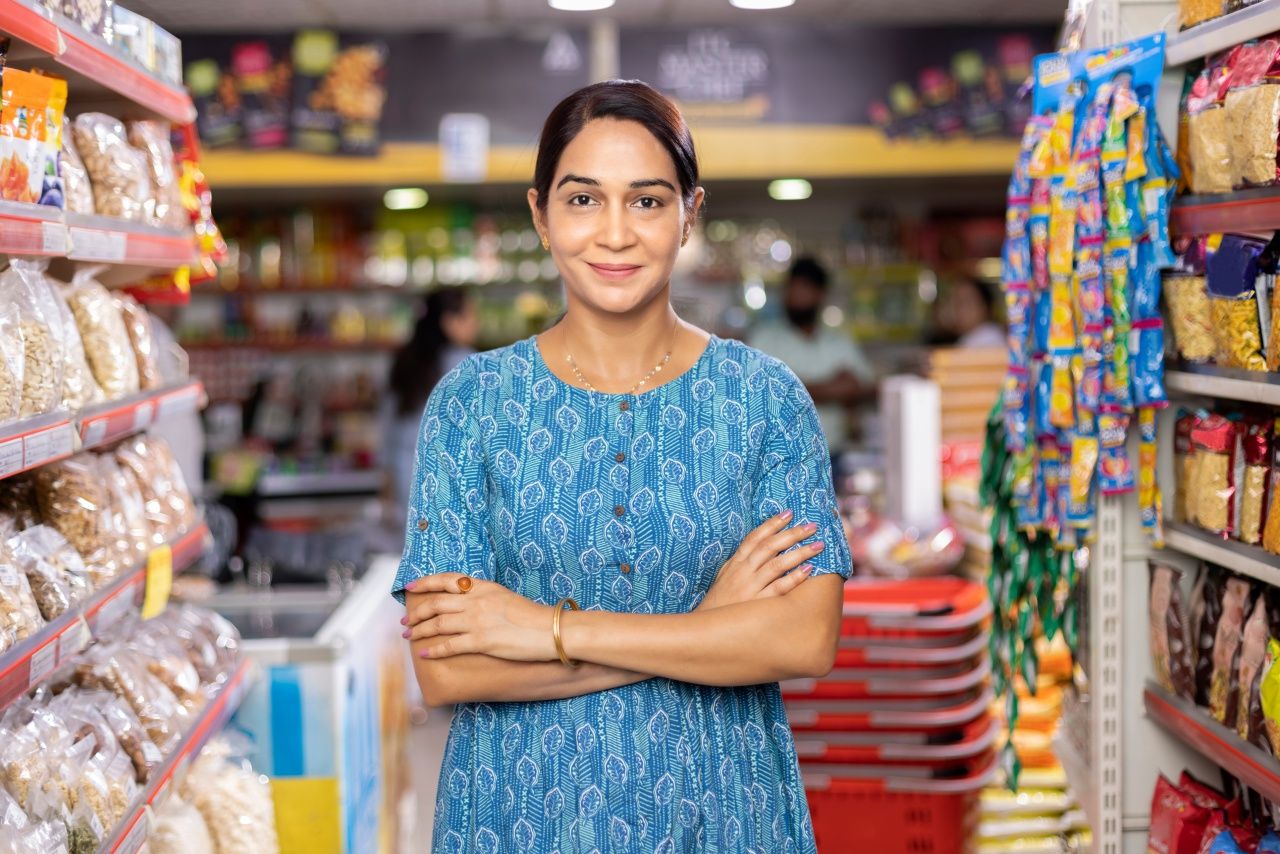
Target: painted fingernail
[(811, 527), (785, 515), (818, 546), (426, 653), (404, 621), (406, 633), (806, 569)]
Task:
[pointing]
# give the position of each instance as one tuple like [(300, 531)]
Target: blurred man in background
[(826, 359)]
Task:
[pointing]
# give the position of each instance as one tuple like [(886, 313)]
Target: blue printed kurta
[(627, 503)]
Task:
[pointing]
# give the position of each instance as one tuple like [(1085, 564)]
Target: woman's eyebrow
[(577, 179), (652, 182), (635, 185)]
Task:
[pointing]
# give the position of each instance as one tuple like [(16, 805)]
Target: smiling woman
[(623, 534)]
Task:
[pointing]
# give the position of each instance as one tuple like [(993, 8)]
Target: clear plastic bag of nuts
[(24, 286), (105, 337), (58, 577), (118, 171), (79, 388), (138, 324), (19, 612), (74, 500), (152, 138), (77, 188), (12, 363)]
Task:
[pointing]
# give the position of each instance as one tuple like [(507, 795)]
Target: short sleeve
[(446, 529), (796, 475)]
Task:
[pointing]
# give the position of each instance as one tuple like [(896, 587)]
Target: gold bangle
[(555, 630)]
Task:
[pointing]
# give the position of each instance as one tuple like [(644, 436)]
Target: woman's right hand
[(762, 566)]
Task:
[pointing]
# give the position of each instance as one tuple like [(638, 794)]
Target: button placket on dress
[(623, 428)]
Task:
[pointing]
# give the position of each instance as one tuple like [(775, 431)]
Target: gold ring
[(464, 584)]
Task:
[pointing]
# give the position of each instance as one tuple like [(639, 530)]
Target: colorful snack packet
[(1150, 501)]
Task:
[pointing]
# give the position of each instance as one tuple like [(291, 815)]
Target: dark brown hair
[(620, 99)]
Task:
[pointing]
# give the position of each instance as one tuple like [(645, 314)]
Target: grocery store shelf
[(29, 663), (31, 443), (93, 70), (1219, 34), (104, 424), (325, 483), (212, 291), (131, 835), (133, 249), (1239, 557), (1223, 383), (1248, 211), (1196, 728), (329, 348)]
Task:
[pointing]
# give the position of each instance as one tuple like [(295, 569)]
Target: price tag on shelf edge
[(43, 661), (179, 402), (53, 236), (74, 639), (159, 582), (143, 415), (10, 456), (55, 441), (94, 431)]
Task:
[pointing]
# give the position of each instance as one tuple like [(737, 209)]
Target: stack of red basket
[(897, 741)]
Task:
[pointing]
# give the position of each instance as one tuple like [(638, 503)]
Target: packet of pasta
[(1255, 442), (1213, 442)]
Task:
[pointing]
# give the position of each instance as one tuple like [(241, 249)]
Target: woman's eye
[(582, 199), (648, 203)]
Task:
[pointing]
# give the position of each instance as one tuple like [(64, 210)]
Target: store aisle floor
[(426, 748)]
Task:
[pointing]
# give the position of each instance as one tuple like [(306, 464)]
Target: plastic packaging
[(1177, 821), (1213, 485), (57, 574), (179, 828), (1253, 652), (40, 324), (1270, 695), (1224, 692), (1206, 614), (152, 139), (1256, 450), (130, 527), (74, 500), (12, 362), (76, 188), (79, 388), (162, 485), (1208, 137), (1253, 113), (119, 173), (138, 324), (236, 803), (1189, 312), (114, 669), (1233, 276), (18, 501), (19, 613), (22, 151), (1192, 12), (106, 339), (1169, 630)]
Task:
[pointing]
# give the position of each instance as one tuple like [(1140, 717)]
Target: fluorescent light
[(405, 199), (761, 4), (790, 189), (580, 5)]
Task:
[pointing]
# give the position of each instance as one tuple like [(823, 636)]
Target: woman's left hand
[(488, 619)]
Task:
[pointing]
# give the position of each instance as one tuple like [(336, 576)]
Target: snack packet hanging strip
[(1081, 484), (1115, 474), (1150, 501)]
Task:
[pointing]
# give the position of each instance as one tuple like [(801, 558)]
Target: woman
[(442, 338), (614, 463)]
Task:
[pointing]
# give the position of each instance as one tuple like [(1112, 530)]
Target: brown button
[(624, 406), (619, 510), (625, 568), (423, 524), (621, 457)]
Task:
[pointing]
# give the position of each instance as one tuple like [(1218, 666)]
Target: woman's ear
[(539, 221)]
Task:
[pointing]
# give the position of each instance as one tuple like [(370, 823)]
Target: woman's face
[(463, 326), (614, 216)]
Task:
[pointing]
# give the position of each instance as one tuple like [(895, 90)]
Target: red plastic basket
[(853, 816)]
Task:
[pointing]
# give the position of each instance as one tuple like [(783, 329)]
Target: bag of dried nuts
[(74, 500), (118, 171), (1253, 113), (75, 178), (40, 325), (138, 323), (102, 330), (152, 138), (12, 363)]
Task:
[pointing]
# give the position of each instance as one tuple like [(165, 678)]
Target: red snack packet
[(1177, 822)]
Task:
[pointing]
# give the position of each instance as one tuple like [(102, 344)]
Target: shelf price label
[(10, 456), (159, 582)]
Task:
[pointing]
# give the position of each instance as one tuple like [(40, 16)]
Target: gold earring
[(546, 244)]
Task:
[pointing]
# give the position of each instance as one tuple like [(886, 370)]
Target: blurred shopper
[(444, 336), (612, 464), (970, 313), (827, 360)]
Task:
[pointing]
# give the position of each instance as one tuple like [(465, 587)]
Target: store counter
[(329, 719)]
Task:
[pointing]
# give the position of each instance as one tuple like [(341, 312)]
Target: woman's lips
[(614, 272)]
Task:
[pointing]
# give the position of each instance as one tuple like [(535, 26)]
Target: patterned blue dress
[(627, 503)]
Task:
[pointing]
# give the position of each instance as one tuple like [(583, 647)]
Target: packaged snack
[(1150, 497), (74, 500), (1208, 138), (1213, 443), (1252, 108), (1169, 629), (1234, 274), (235, 802), (12, 362), (1270, 843), (1253, 653), (130, 526), (22, 151), (79, 388), (76, 189), (1271, 529), (160, 482), (316, 126), (152, 139), (178, 828), (168, 54), (57, 574), (1183, 460), (18, 502), (40, 324), (218, 109), (49, 132), (1187, 297), (1270, 695), (167, 659), (1207, 632), (111, 668), (118, 171), (212, 643), (1256, 450), (106, 339), (1202, 793), (1223, 842), (132, 36), (1177, 821), (19, 614), (94, 15), (138, 324), (263, 84), (1224, 692), (1192, 12)]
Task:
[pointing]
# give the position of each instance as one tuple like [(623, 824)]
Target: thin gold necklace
[(657, 369)]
